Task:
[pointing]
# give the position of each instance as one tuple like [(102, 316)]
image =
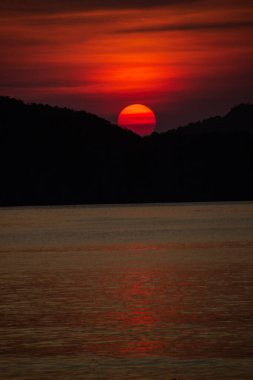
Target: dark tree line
[(52, 155)]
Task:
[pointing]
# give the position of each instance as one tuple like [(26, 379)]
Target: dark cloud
[(188, 27), (55, 6), (42, 76)]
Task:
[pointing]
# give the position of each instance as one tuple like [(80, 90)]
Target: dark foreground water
[(145, 292)]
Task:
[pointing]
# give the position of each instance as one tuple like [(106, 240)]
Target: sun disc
[(137, 118)]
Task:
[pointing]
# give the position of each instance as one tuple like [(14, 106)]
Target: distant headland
[(57, 156)]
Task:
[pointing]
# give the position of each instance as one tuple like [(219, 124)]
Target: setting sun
[(138, 119)]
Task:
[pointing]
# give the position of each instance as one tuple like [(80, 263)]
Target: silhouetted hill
[(52, 155), (239, 119)]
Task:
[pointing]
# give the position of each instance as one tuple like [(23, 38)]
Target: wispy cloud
[(48, 6), (188, 27)]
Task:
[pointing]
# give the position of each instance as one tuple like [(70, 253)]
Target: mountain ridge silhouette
[(52, 155)]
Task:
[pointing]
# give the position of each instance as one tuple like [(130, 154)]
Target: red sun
[(138, 119)]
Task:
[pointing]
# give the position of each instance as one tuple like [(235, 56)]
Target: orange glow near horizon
[(138, 119), (190, 56)]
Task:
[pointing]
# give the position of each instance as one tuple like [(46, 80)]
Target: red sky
[(186, 60)]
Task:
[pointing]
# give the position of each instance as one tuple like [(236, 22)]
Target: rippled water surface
[(127, 292)]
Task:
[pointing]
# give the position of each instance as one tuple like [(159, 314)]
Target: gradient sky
[(186, 60)]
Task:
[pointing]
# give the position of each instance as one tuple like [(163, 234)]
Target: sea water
[(127, 292)]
